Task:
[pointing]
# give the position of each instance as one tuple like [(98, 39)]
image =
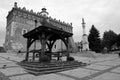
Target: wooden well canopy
[(47, 34)]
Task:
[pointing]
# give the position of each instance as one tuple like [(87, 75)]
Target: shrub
[(70, 59)]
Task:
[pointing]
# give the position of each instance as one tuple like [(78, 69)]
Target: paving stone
[(5, 61), (52, 77), (97, 67), (108, 63), (23, 77), (10, 64), (42, 77), (107, 76), (117, 70), (79, 72), (13, 71), (100, 63), (84, 59)]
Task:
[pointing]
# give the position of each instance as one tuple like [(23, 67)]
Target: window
[(24, 31), (55, 46)]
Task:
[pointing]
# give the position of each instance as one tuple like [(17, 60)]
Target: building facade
[(20, 21)]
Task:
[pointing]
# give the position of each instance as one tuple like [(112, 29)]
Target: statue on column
[(85, 43)]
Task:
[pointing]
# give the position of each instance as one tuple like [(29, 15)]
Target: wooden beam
[(41, 46), (27, 49), (67, 47)]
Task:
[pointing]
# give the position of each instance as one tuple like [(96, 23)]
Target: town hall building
[(20, 21)]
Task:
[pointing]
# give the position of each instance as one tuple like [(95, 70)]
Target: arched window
[(24, 31), (55, 46)]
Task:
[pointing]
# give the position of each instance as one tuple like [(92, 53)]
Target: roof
[(47, 28)]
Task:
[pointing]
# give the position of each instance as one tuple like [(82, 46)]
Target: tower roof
[(43, 9), (44, 12)]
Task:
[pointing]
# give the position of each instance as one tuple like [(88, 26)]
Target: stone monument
[(85, 43)]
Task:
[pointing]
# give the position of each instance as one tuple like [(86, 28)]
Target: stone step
[(38, 66), (49, 71), (54, 66), (50, 68), (44, 68), (51, 65)]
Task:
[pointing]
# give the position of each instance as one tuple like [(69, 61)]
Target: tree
[(94, 39), (118, 40), (109, 39)]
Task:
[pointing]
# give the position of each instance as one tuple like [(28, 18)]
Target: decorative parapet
[(30, 14)]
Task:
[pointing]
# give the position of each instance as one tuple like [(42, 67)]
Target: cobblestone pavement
[(106, 67)]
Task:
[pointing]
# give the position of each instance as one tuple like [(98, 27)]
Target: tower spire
[(15, 4), (44, 12), (83, 22), (83, 26)]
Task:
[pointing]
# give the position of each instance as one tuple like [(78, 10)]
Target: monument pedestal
[(85, 43)]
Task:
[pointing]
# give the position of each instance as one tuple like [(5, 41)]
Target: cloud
[(110, 20), (104, 14), (2, 25)]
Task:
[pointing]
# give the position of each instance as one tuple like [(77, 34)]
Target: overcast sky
[(104, 14)]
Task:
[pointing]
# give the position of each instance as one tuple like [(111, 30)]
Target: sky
[(103, 14)]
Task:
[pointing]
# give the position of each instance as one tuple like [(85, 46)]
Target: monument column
[(83, 26), (85, 43)]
